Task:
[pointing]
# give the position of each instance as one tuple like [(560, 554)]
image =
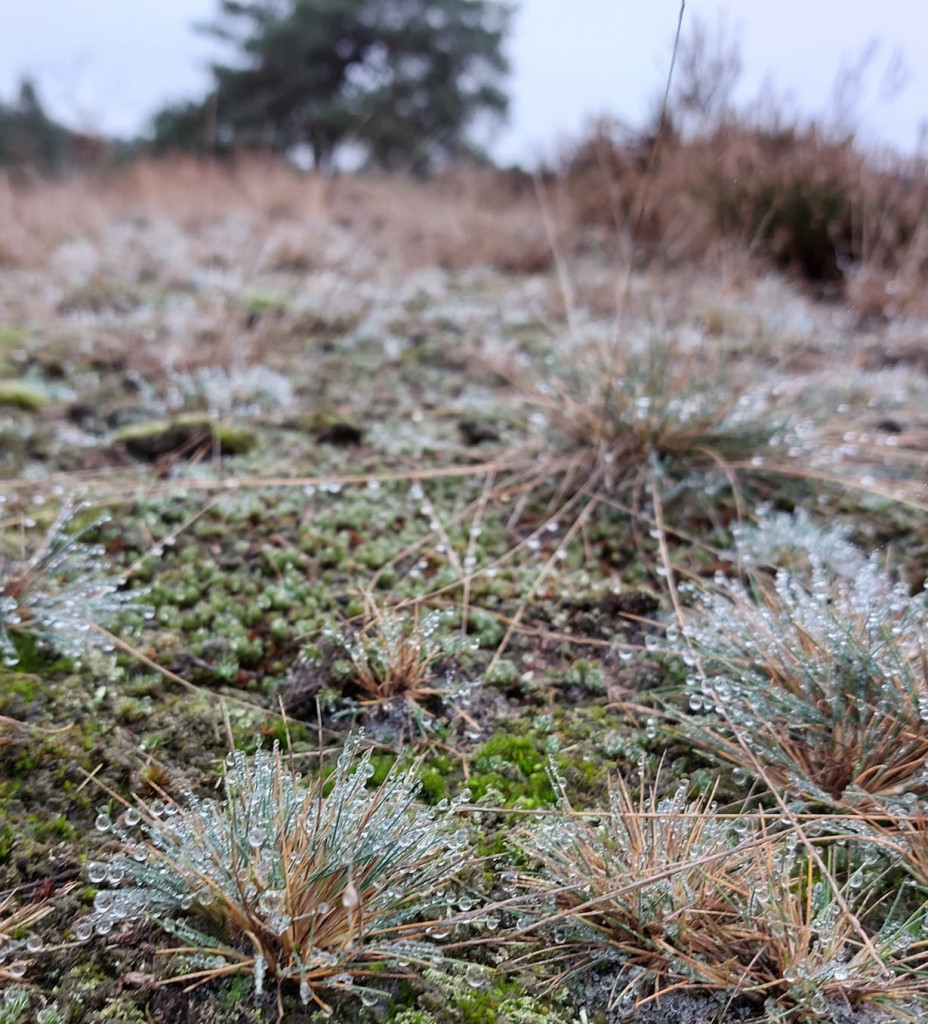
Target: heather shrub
[(809, 204)]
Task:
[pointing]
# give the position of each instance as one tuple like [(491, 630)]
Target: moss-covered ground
[(279, 452)]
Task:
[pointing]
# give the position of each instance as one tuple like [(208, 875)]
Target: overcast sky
[(108, 64)]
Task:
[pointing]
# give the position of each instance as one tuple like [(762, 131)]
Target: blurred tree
[(403, 78), (184, 125), (29, 138)]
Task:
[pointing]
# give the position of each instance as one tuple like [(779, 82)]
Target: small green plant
[(823, 681), (59, 591), (13, 1005), (329, 885)]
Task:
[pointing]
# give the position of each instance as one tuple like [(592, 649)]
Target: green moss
[(434, 779), (237, 990), (488, 629), (381, 763), (7, 837), (516, 766), (33, 658), (474, 995), (12, 337), (587, 674), (17, 691), (258, 304), (505, 673), (185, 433), (16, 394)]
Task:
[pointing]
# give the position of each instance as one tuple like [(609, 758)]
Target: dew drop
[(475, 976), (103, 901)]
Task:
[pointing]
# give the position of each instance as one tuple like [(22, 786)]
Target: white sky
[(108, 64)]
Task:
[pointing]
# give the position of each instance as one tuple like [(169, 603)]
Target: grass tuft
[(662, 894), (823, 681), (617, 411), (325, 884), (395, 657), (58, 591)]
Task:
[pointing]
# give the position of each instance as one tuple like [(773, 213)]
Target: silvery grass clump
[(794, 542), (822, 679), (15, 1009), (664, 893), (324, 883), (242, 390), (394, 657), (614, 409), (59, 591), (13, 1004), (649, 890)]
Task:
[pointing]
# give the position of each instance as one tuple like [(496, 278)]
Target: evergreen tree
[(404, 78), (28, 136)]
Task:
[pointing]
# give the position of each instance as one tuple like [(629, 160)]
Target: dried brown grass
[(466, 218), (820, 207), (36, 218), (665, 895), (793, 197)]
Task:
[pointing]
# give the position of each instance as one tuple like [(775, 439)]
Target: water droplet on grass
[(475, 976)]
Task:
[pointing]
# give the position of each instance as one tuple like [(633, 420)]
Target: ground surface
[(293, 432)]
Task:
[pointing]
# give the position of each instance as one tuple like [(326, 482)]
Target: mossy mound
[(184, 437), (15, 394)]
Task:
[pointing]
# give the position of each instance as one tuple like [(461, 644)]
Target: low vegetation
[(410, 615)]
